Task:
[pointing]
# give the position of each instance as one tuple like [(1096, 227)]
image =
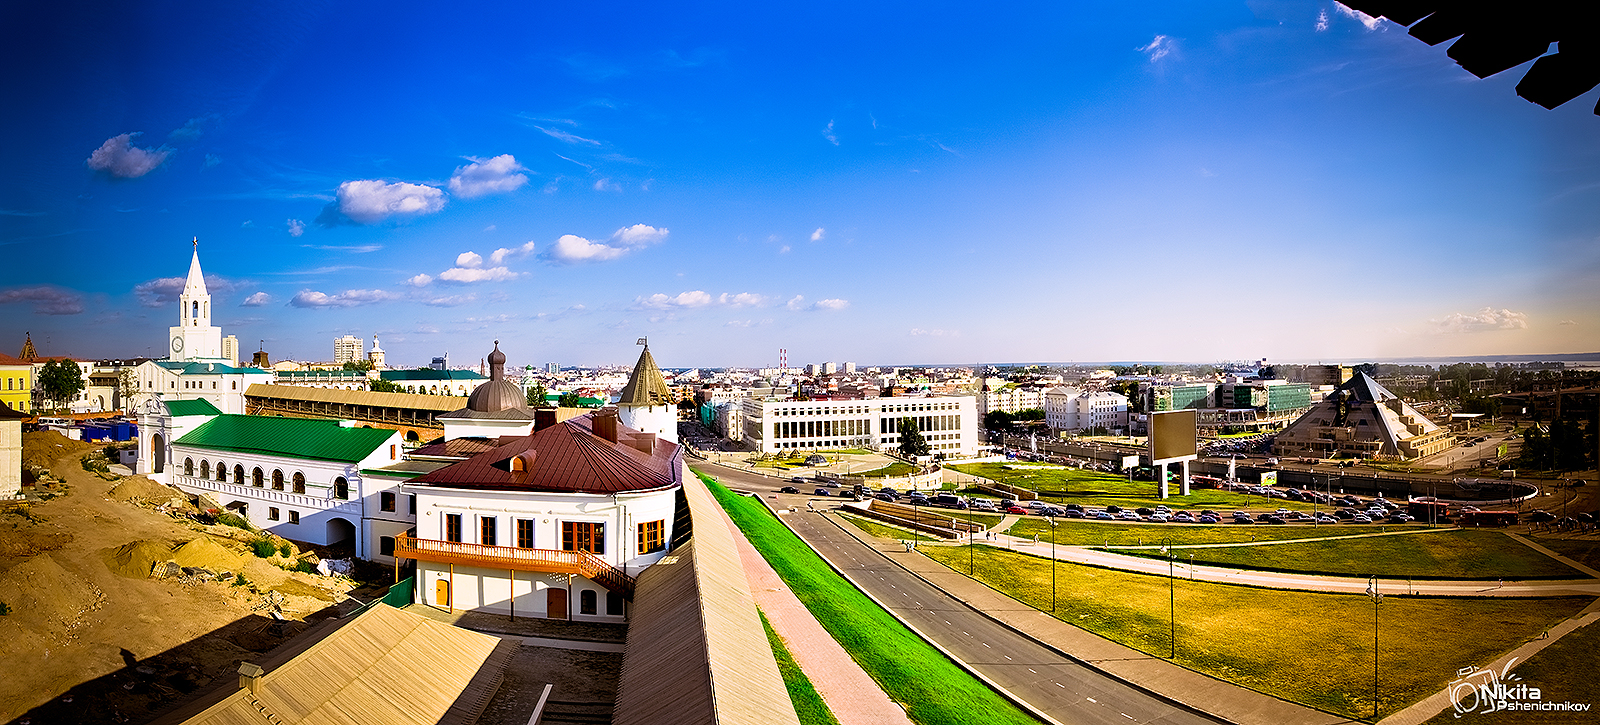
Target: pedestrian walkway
[(1275, 542), (1151, 674), (853, 696), (1440, 701)]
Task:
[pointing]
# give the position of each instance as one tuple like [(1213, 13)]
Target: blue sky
[(883, 183)]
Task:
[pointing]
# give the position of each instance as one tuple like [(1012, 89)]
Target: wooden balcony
[(552, 561)]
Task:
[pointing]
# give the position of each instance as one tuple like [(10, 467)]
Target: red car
[(1018, 510)]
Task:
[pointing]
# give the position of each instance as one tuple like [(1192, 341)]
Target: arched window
[(255, 478), (238, 475), (205, 469), (222, 472), (587, 602), (299, 482), (412, 437), (188, 466), (277, 480), (341, 488)]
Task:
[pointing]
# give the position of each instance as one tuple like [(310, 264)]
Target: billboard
[(1173, 434)]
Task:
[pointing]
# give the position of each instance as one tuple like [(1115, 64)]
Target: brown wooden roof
[(385, 666), (567, 458), (693, 617), (646, 386), (411, 401)]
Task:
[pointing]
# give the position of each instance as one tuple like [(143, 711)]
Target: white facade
[(348, 349), (1010, 399), (662, 420), (221, 384), (376, 355), (949, 424), (1074, 409), (194, 337)]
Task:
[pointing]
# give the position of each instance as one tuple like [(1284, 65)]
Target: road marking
[(1090, 699), (986, 644), (1126, 715), (1057, 684), (947, 623), (1030, 669), (1008, 657)]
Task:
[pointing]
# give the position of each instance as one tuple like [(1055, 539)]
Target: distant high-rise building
[(849, 367), (552, 368), (440, 363), (348, 349), (376, 355), (813, 368), (829, 368), (230, 349)]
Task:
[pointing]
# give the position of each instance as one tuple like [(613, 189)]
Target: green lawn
[(892, 470), (1435, 555), (1583, 551), (1093, 488), (1076, 532), (1311, 648), (1562, 672), (880, 529), (933, 689), (808, 705)]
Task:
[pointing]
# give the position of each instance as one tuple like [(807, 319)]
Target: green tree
[(570, 400), (60, 380), (1030, 414), (384, 386), (536, 393), (912, 444), (362, 365), (998, 420)]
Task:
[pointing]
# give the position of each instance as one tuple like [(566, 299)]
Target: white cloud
[(1370, 22), (366, 201), (469, 259), (561, 135), (1565, 323), (818, 235), (606, 185), (571, 248), (743, 299), (919, 332), (1483, 320), (46, 299), (500, 255), (1322, 20), (468, 275), (163, 291), (831, 304), (739, 323), (420, 280), (783, 249), (348, 298), (797, 302), (119, 157), (680, 301), (193, 128), (498, 175), (296, 227), (449, 300), (828, 133), (259, 299), (490, 228), (1159, 48)]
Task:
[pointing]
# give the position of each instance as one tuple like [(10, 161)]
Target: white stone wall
[(10, 458)]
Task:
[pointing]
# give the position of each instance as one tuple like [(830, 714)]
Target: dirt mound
[(41, 448), (24, 541), (207, 554), (135, 558), (138, 489), (40, 591)]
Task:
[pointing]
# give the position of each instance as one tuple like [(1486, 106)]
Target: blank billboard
[(1173, 434)]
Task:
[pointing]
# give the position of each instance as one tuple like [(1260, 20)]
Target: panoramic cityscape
[(1234, 362)]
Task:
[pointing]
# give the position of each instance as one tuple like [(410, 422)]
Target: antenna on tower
[(783, 360)]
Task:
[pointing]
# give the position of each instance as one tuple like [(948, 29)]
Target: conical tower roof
[(196, 283), (646, 386), (28, 353)]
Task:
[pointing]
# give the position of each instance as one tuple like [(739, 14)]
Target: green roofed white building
[(322, 482)]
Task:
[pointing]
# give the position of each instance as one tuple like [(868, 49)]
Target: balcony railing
[(510, 557)]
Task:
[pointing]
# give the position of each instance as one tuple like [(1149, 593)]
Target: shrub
[(305, 567), (4, 610), (234, 520), (283, 549), (240, 581), (263, 548)]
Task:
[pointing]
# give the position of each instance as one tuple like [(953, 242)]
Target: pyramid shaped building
[(1362, 419)]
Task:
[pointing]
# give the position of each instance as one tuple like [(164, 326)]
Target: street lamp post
[(1377, 598), (1172, 600), (1052, 563)]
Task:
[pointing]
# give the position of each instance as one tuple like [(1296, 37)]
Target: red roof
[(567, 458)]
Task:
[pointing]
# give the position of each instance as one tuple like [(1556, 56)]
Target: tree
[(362, 365), (912, 443), (570, 400), (384, 386), (536, 393), (128, 386), (60, 381), (998, 420), (1030, 414)]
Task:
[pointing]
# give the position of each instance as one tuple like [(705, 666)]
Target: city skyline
[(1287, 180)]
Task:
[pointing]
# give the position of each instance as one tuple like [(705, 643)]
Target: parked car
[(821, 492), (1157, 518), (1018, 510), (788, 489), (1360, 519), (1113, 509), (796, 479), (1208, 519), (1183, 517), (1129, 516), (1402, 518), (1103, 516), (1144, 511), (1072, 514)]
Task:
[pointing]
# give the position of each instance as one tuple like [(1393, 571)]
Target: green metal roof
[(192, 407), (215, 368), (318, 440), (430, 375)]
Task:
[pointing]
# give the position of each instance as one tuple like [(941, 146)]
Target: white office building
[(948, 423), (348, 349), (1074, 409)]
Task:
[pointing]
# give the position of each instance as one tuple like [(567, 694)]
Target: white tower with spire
[(194, 337), (376, 355), (645, 403)]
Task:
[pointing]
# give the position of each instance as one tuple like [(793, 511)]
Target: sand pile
[(25, 541), (41, 448), (207, 554), (135, 558), (40, 591), (141, 490)]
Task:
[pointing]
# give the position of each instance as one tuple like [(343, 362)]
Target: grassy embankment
[(933, 689), (1583, 551), (1458, 554), (1311, 648), (808, 705), (1076, 532), (1093, 488), (1555, 670)]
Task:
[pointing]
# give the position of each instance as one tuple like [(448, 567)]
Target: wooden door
[(555, 603), (441, 594)]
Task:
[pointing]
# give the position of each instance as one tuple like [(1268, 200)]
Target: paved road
[(1067, 691)]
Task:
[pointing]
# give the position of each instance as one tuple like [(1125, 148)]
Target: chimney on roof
[(642, 442), (250, 676), (605, 424), (543, 418)]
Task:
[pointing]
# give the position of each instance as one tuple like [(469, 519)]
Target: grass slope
[(1076, 532), (808, 705), (1556, 672), (1305, 647), (933, 689), (1093, 488), (1440, 555), (1583, 551)]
